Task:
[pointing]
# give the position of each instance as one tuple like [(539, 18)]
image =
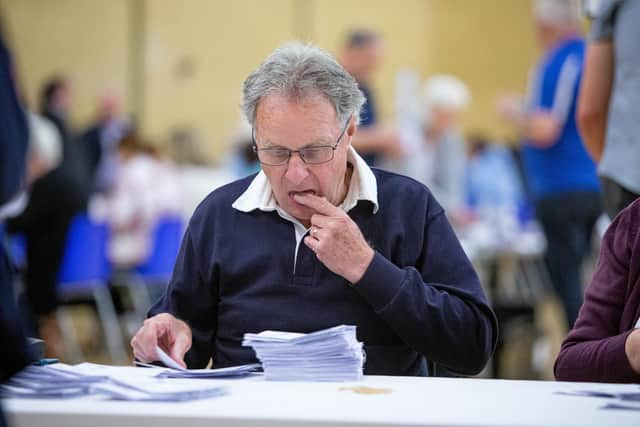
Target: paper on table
[(178, 371), (64, 381), (228, 372), (168, 361), (619, 400)]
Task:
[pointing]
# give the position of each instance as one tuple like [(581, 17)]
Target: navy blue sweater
[(420, 298)]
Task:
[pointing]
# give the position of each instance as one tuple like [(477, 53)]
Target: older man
[(318, 239)]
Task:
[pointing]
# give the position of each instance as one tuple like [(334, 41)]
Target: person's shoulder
[(629, 218), (403, 191), (397, 181), (571, 49), (574, 49), (624, 231)]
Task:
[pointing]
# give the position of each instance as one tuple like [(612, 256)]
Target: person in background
[(604, 344), (54, 199), (197, 173), (492, 177), (56, 99), (317, 239), (145, 189), (55, 104), (561, 175), (439, 161), (100, 142), (361, 56), (609, 102), (13, 150)]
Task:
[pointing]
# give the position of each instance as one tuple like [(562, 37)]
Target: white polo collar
[(363, 186)]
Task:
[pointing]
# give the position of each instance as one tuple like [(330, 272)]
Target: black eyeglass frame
[(300, 151)]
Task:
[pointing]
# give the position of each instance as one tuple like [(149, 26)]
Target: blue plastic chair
[(151, 277), (166, 245), (85, 273), (18, 250)]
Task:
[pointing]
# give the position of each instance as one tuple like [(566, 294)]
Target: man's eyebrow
[(318, 142)]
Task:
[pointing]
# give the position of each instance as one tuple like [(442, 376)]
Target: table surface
[(408, 401)]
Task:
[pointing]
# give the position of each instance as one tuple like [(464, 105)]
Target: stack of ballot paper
[(332, 354), (177, 371), (112, 383)]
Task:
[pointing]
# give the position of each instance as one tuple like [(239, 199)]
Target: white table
[(412, 401)]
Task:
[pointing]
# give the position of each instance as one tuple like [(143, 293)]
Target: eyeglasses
[(278, 156)]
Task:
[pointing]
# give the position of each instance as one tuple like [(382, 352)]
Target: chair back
[(18, 250), (167, 237), (84, 263)]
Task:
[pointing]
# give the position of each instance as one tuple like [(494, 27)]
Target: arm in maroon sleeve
[(594, 350)]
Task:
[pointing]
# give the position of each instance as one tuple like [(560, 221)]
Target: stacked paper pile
[(332, 354), (112, 383)]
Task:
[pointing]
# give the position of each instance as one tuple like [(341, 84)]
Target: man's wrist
[(362, 267)]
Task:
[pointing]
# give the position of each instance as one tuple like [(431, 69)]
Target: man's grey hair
[(299, 71), (557, 12)]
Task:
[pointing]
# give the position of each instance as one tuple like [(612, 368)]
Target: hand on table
[(167, 332)]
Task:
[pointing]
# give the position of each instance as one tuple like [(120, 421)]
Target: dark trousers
[(568, 220), (615, 197)]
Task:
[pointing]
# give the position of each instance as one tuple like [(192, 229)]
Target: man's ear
[(352, 128)]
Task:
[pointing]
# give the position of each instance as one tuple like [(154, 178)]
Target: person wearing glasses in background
[(317, 239)]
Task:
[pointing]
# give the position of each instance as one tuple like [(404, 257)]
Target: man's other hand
[(167, 332)]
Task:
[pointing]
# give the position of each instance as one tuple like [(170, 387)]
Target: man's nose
[(296, 169)]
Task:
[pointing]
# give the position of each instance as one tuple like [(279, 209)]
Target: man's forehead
[(276, 104), (276, 112)]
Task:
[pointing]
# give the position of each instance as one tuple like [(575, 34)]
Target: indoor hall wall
[(198, 53), (87, 40), (489, 44)]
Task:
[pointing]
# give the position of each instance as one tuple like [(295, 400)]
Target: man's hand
[(336, 239), (165, 331)]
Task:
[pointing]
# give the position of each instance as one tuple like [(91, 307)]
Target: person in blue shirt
[(318, 239), (560, 174)]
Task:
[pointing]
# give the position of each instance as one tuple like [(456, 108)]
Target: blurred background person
[(145, 189), (492, 179), (55, 103), (439, 158), (100, 141), (196, 173), (609, 101), (361, 55), (56, 99), (13, 150), (242, 160), (561, 174), (54, 198)]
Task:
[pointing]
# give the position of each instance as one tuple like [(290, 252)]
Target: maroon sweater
[(594, 349)]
